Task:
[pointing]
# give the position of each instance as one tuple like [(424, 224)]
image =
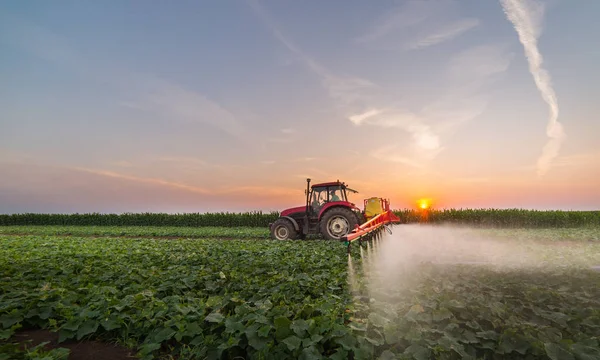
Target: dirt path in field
[(84, 350)]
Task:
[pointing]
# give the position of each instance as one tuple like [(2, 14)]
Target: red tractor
[(327, 212)]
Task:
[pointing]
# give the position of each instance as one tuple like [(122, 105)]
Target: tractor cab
[(322, 194)]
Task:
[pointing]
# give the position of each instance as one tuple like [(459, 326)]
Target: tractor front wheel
[(283, 229), (337, 222)]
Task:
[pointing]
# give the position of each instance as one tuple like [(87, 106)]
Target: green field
[(504, 218), (536, 294), (141, 231)]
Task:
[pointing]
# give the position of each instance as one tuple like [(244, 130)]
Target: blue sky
[(203, 106)]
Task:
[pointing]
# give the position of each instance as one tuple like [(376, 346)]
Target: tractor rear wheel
[(283, 229), (337, 222), (361, 218)]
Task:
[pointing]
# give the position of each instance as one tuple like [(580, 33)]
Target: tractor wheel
[(361, 218), (283, 229), (337, 222)]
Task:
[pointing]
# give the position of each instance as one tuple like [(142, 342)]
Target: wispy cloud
[(352, 94), (348, 91), (526, 17), (175, 102), (364, 103), (418, 25), (423, 136), (144, 92), (478, 65), (391, 154), (469, 71), (443, 34), (138, 179)]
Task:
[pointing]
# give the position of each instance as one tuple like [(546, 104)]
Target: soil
[(80, 350)]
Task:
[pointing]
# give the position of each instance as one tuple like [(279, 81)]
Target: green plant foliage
[(15, 351), (253, 219), (505, 218), (196, 298), (139, 231), (214, 299), (434, 311)]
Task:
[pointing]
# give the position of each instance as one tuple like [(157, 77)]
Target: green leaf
[(146, 349), (110, 324), (377, 320), (347, 341), (557, 352), (584, 352), (357, 326), (300, 327), (214, 317), (310, 353), (88, 327), (164, 334), (263, 331), (418, 352), (282, 327), (441, 314), (64, 334), (9, 320), (6, 333), (488, 335), (510, 342), (293, 342), (192, 329), (387, 355), (72, 325), (233, 325), (255, 341)]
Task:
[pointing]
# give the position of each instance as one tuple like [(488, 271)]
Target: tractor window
[(336, 194), (319, 197)]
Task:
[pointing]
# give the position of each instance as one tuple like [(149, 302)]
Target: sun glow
[(424, 204)]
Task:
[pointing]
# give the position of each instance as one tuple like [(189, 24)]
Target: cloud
[(364, 103), (422, 134), (146, 92), (526, 17), (468, 72), (348, 92), (175, 102), (137, 179), (477, 65), (390, 154), (419, 24), (445, 33)]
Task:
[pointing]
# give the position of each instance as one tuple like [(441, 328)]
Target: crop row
[(585, 234), (471, 217), (241, 232)]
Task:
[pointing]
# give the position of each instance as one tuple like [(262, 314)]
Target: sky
[(204, 106)]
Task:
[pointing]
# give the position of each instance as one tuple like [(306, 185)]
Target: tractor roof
[(333, 183)]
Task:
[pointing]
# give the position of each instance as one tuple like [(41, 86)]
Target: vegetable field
[(261, 299)]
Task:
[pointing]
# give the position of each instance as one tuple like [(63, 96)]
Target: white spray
[(526, 15)]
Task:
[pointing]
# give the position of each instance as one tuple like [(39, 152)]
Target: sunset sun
[(424, 203)]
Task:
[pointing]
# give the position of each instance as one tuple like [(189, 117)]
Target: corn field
[(505, 218)]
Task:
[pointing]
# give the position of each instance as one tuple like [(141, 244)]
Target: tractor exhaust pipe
[(307, 192)]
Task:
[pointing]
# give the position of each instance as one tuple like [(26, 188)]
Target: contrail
[(526, 15)]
